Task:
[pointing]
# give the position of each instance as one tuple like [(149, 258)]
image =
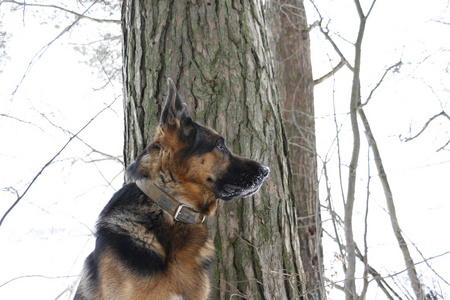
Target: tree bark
[(217, 54), (291, 50)]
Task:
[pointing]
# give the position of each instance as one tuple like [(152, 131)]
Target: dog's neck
[(155, 167), (180, 212)]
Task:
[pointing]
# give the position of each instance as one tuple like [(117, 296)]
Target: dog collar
[(180, 212)]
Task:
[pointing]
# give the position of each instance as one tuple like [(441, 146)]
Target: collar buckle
[(178, 211)]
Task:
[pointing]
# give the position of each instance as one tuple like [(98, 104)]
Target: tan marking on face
[(197, 179), (209, 165)]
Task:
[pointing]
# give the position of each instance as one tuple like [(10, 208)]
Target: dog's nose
[(263, 170)]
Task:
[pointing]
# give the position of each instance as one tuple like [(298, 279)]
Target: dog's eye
[(221, 146)]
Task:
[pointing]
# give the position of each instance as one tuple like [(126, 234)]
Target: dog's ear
[(174, 109)]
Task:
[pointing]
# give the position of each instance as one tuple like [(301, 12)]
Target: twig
[(82, 15), (378, 276), (51, 160), (335, 47), (442, 113), (365, 260), (42, 51), (429, 266), (334, 217), (395, 66), (93, 150), (36, 276), (20, 120), (331, 73), (384, 286), (412, 274), (442, 148), (415, 264)]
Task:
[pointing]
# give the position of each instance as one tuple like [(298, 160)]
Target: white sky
[(48, 233)]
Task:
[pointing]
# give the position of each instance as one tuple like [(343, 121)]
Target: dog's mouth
[(230, 191)]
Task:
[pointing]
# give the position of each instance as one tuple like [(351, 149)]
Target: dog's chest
[(190, 247), (188, 261)]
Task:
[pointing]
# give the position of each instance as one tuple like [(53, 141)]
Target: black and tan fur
[(141, 252)]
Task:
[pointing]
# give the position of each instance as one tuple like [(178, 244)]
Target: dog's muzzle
[(244, 184)]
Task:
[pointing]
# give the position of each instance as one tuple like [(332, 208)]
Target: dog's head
[(193, 163)]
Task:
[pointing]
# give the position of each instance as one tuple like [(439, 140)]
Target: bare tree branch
[(331, 73), (428, 265), (442, 113), (443, 147), (384, 286), (42, 51), (334, 217), (377, 276), (412, 273), (420, 262), (365, 260), (442, 22), (360, 10), (21, 121), (80, 15), (36, 276), (350, 287), (93, 150), (326, 33), (71, 289), (50, 161), (396, 67)]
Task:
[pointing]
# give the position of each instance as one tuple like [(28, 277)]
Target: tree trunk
[(217, 53), (291, 49)]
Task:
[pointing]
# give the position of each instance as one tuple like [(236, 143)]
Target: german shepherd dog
[(150, 243)]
